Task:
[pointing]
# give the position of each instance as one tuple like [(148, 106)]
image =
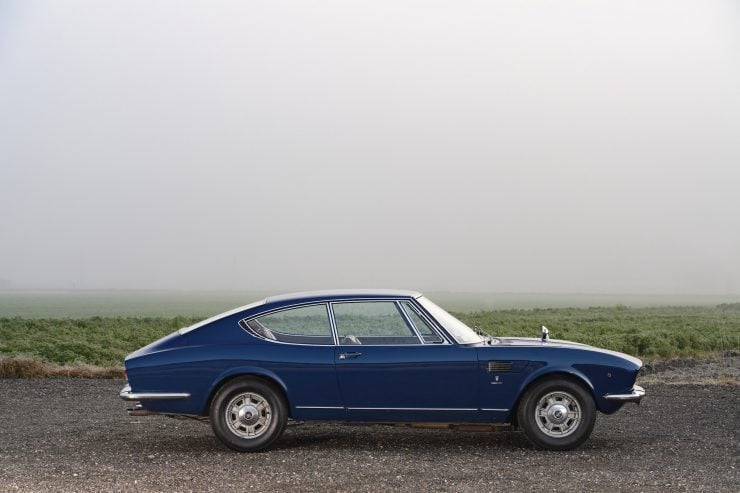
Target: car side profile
[(382, 356)]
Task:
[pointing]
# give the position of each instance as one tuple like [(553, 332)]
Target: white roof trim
[(344, 292)]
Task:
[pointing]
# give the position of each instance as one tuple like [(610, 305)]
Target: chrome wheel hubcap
[(248, 415), (558, 414)]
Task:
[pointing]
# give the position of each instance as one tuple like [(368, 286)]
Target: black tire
[(255, 405), (536, 413)]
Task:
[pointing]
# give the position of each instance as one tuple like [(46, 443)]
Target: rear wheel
[(248, 414), (557, 414)]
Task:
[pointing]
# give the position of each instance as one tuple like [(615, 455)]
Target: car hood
[(559, 343), (535, 341)]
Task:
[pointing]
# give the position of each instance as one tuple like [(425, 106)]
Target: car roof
[(333, 294)]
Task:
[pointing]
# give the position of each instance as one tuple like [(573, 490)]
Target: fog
[(498, 146)]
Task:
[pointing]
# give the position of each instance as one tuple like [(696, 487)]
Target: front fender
[(547, 371), (551, 370), (599, 379)]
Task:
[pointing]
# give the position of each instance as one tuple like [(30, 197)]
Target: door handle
[(351, 355)]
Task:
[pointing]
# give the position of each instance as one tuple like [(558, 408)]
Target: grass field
[(650, 333)]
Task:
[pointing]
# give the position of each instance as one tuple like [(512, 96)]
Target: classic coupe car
[(372, 356)]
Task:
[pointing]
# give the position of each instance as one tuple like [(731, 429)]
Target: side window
[(302, 325), (372, 322), (426, 331)]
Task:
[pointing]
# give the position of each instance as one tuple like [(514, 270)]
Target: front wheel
[(557, 414), (248, 415)]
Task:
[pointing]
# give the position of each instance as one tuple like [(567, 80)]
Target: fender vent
[(499, 366)]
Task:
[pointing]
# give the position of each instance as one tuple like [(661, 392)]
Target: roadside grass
[(648, 333), (101, 342), (24, 367), (96, 346)]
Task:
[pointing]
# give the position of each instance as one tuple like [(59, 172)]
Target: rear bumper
[(128, 395), (635, 396)]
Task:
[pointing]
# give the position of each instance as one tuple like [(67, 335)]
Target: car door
[(389, 369), (299, 349)]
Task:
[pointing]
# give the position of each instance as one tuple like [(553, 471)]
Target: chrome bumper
[(127, 395), (635, 396)]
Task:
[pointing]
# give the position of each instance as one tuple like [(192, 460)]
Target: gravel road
[(74, 435)]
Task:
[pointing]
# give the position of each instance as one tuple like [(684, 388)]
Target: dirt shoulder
[(722, 370)]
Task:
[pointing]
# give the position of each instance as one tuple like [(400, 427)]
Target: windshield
[(461, 332)]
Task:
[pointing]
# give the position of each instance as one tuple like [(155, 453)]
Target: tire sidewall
[(278, 408), (526, 414)]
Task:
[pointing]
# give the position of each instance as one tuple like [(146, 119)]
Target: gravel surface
[(74, 435)]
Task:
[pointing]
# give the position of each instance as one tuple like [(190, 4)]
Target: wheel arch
[(568, 373), (252, 372)]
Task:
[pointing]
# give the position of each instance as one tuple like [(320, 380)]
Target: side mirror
[(545, 334)]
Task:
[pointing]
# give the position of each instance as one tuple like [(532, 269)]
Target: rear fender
[(241, 371)]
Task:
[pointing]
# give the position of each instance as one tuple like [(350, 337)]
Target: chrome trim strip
[(410, 409), (635, 396), (319, 407), (492, 409), (424, 318), (408, 321), (127, 395), (333, 324), (433, 322)]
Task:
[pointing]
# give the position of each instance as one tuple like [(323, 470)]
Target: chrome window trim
[(295, 335), (431, 321), (285, 308), (333, 323), (408, 321), (438, 325), (426, 319), (423, 313)]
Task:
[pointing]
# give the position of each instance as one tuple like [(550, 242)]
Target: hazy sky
[(517, 146)]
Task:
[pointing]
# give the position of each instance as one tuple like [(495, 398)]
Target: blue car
[(372, 356)]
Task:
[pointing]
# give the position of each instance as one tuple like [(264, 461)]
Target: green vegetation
[(94, 341), (646, 332), (650, 333)]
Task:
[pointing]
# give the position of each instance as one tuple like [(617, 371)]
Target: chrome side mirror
[(545, 334)]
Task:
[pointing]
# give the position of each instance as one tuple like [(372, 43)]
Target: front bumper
[(128, 395), (635, 396)]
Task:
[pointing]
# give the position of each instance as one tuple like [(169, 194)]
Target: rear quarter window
[(300, 325)]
